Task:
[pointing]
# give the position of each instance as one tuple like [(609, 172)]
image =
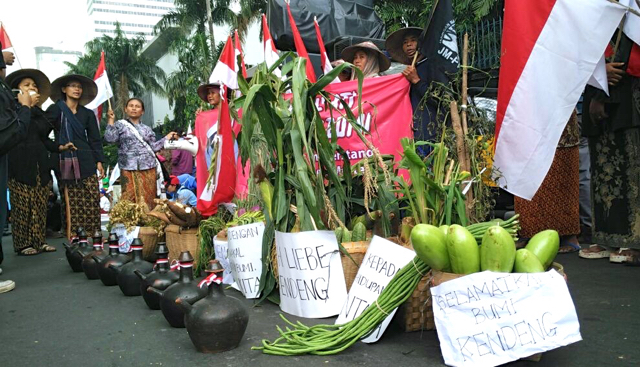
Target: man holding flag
[(431, 55)]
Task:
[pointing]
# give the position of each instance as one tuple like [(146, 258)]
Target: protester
[(15, 119), (402, 45), (180, 194), (367, 57), (105, 202), (557, 201), (136, 153), (181, 160), (612, 126), (73, 123), (29, 168), (188, 182)]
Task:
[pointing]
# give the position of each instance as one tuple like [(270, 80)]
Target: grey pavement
[(56, 317)]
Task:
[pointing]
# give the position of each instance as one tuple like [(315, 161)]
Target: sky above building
[(65, 25)]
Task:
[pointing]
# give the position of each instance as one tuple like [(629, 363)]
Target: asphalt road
[(56, 317)]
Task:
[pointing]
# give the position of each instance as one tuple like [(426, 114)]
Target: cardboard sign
[(245, 257), (310, 274), (125, 238), (221, 248), (381, 262), (488, 319)]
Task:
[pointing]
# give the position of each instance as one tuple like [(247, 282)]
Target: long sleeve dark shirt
[(89, 144), (30, 158)]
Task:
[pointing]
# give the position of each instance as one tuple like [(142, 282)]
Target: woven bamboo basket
[(357, 250), (149, 238), (182, 239), (417, 310)]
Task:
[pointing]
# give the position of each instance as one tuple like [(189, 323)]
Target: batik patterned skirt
[(556, 204), (139, 186), (28, 214), (82, 205)]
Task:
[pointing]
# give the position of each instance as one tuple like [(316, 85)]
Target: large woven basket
[(417, 310), (149, 238), (356, 250), (181, 239)]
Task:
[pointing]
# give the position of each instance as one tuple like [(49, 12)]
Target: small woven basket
[(149, 238), (181, 239), (356, 250)]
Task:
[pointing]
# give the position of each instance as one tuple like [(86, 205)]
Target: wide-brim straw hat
[(43, 83), (89, 88), (203, 90), (349, 53), (393, 44)]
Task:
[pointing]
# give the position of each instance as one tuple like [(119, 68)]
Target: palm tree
[(130, 73)]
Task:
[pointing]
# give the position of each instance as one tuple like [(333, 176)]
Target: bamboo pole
[(461, 148), (465, 58)]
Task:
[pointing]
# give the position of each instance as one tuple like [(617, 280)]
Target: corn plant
[(303, 189)]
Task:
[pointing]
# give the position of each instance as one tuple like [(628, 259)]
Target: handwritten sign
[(245, 257), (310, 274), (488, 319), (125, 238), (381, 262), (221, 248)]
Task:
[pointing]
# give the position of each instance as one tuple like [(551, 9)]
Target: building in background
[(135, 16), (51, 61)]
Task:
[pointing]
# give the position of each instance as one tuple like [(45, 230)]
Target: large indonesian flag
[(546, 62), (104, 88), (225, 70)]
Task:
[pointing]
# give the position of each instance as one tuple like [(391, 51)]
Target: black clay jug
[(217, 322), (76, 253), (107, 275), (161, 278), (89, 265), (128, 281), (185, 288)]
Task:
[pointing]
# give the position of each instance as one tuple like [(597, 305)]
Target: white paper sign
[(488, 319), (310, 274), (125, 238), (381, 262), (245, 257), (221, 248)]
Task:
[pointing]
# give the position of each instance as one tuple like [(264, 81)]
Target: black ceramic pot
[(89, 265), (217, 322), (185, 288), (77, 252), (107, 275), (128, 281), (161, 278)]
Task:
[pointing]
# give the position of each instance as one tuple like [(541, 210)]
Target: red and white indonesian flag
[(546, 62), (104, 88), (632, 23), (270, 52), (238, 48), (4, 38), (300, 48), (225, 70), (324, 58)]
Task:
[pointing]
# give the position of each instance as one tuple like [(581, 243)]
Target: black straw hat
[(89, 88), (43, 83)]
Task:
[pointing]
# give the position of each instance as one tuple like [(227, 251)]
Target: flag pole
[(433, 10)]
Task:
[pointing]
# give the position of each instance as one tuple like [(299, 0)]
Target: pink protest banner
[(386, 115)]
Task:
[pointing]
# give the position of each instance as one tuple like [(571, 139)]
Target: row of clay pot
[(199, 305)]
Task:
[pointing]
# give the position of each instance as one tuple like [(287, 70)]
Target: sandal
[(48, 248), (594, 252), (568, 247), (28, 251), (623, 254)]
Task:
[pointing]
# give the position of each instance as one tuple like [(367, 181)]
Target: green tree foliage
[(397, 14), (129, 72)]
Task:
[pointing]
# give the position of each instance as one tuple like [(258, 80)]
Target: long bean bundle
[(512, 225), (326, 339)]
